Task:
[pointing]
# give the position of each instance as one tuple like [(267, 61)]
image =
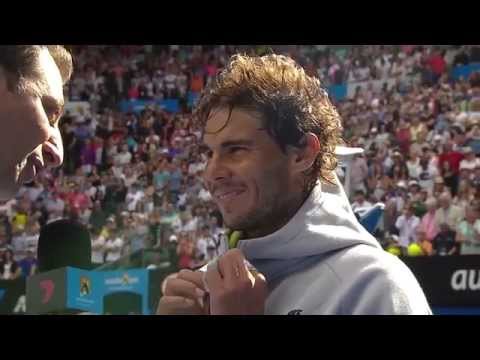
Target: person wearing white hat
[(447, 212), (470, 161)]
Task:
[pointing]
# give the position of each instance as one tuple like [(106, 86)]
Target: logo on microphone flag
[(48, 288)]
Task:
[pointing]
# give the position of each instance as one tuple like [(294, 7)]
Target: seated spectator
[(424, 243), (360, 202), (9, 268), (444, 243), (29, 263)]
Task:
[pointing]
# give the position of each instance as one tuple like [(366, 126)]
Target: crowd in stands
[(134, 177)]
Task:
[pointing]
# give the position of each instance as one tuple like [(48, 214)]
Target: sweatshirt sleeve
[(378, 291)]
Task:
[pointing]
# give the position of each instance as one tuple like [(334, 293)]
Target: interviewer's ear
[(304, 156)]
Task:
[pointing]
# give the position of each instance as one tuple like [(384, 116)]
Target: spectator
[(407, 225), (468, 232), (424, 243), (429, 225), (444, 242), (470, 161), (426, 174), (113, 246), (124, 157), (203, 241), (448, 213), (464, 196), (185, 252), (98, 249), (9, 268), (359, 173), (360, 202), (29, 263), (449, 164)]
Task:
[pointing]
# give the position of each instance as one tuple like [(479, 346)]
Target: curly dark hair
[(290, 102)]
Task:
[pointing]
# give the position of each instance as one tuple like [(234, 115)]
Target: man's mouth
[(29, 167), (225, 195)]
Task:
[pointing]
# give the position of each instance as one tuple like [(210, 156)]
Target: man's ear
[(304, 157)]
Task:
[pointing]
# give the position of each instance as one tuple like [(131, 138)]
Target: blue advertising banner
[(136, 106), (108, 292), (338, 92), (125, 287), (84, 290), (465, 71)]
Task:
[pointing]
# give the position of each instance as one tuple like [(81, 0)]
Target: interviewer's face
[(30, 138), (247, 174)]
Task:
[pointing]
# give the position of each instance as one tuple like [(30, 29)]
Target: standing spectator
[(113, 246), (413, 165), (447, 213), (464, 195), (203, 241), (429, 224), (403, 136), (359, 173), (98, 217), (185, 252), (449, 164), (470, 161), (468, 232), (437, 65), (98, 249), (87, 157), (426, 174), (407, 225), (124, 157)]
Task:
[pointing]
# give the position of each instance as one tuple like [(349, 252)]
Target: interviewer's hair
[(290, 102), (20, 63)]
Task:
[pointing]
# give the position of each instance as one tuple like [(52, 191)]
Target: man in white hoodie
[(271, 134)]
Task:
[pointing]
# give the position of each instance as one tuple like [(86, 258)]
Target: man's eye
[(236, 149)]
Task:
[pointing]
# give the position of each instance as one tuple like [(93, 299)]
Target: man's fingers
[(195, 277), (180, 287), (178, 305), (213, 279), (232, 267)]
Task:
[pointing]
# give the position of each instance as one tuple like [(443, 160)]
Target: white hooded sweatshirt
[(324, 262)]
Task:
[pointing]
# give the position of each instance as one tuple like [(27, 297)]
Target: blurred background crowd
[(132, 170)]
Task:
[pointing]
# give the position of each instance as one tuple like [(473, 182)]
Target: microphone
[(64, 243)]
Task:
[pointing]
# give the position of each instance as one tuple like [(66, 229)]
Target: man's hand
[(234, 289), (183, 295)]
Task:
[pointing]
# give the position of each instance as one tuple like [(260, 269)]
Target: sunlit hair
[(290, 103)]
